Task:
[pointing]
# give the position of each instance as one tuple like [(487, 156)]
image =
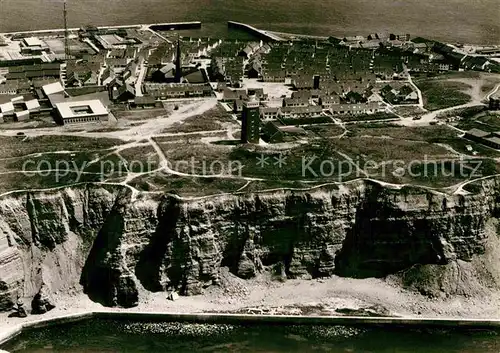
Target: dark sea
[(107, 336), (466, 21)]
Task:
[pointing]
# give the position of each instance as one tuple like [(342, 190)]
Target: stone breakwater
[(96, 238)]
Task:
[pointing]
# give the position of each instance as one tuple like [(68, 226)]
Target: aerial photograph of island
[(249, 176)]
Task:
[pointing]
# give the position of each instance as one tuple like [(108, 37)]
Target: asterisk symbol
[(280, 161), (262, 161)]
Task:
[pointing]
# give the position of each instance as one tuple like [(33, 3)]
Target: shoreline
[(249, 319), (248, 28), (293, 301), (128, 26)]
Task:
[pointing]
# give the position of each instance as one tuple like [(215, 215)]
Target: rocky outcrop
[(43, 301), (45, 237), (113, 247)]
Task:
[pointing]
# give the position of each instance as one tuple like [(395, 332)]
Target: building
[(494, 103), (296, 102), (491, 139), (165, 91), (356, 109), (238, 106), (32, 105), (7, 108), (276, 132), (53, 88), (178, 63), (301, 112), (36, 71), (144, 102), (269, 113), (250, 122), (164, 74), (307, 95), (82, 111), (327, 101), (316, 80), (476, 135), (33, 46), (8, 89), (231, 95), (23, 115)]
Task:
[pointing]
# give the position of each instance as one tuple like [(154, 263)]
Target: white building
[(82, 111), (53, 88), (7, 108)]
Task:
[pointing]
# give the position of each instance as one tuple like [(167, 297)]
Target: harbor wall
[(250, 319)]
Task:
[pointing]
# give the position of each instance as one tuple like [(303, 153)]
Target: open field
[(423, 133), (326, 131), (25, 145), (196, 151), (483, 80), (368, 117), (440, 94), (214, 119), (138, 114), (185, 186), (428, 155), (484, 121), (51, 161), (437, 134)]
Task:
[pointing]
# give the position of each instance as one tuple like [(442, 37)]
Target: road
[(495, 90), (140, 78), (415, 87)]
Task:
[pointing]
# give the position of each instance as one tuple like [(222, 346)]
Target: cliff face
[(113, 247)]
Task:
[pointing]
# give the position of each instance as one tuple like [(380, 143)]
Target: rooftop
[(33, 41), (53, 88), (477, 133), (80, 109)]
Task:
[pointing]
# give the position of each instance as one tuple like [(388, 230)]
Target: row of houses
[(171, 91), (491, 139), (298, 112)]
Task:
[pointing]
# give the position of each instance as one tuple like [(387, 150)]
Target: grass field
[(427, 155), (439, 94), (368, 117), (186, 186), (22, 145), (423, 133), (138, 114), (326, 131), (437, 134), (51, 161), (484, 121), (214, 119)]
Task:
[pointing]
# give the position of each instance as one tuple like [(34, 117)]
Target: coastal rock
[(116, 247), (47, 233), (42, 302), (173, 296), (106, 277), (246, 267), (21, 310)]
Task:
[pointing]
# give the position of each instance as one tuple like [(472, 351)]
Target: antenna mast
[(66, 34)]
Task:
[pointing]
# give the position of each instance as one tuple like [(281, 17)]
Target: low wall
[(261, 34), (248, 319), (175, 26)]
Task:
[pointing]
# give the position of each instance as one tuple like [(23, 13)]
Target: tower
[(66, 34), (178, 64), (250, 121), (316, 79)]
